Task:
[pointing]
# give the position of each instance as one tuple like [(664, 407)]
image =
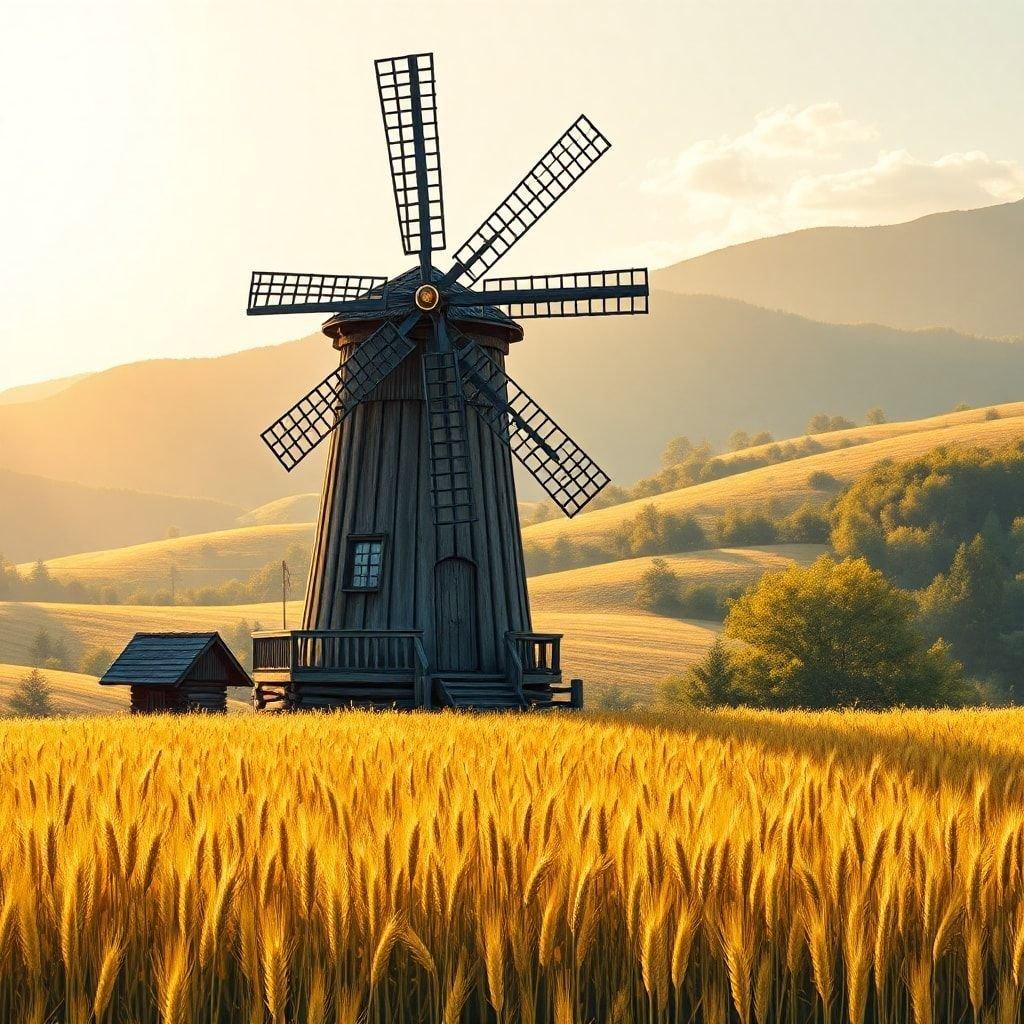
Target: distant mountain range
[(700, 364), (961, 270), (42, 518)]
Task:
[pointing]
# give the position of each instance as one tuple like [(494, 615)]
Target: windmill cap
[(488, 320)]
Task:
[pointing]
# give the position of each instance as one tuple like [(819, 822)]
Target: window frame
[(351, 542)]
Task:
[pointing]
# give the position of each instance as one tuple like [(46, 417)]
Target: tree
[(738, 440), (965, 605), (33, 698), (658, 589), (760, 438), (42, 647), (876, 415), (710, 683), (822, 423), (96, 661), (678, 449), (837, 634)]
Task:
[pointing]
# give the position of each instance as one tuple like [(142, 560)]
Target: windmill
[(417, 591)]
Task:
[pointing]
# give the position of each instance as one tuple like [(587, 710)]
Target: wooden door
[(455, 615)]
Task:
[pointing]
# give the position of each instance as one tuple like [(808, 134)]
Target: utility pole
[(286, 582)]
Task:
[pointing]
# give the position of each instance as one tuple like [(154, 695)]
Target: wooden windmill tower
[(417, 592)]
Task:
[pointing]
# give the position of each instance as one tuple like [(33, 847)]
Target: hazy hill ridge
[(42, 518), (960, 269), (698, 365)]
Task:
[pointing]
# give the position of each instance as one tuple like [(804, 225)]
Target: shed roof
[(165, 659)]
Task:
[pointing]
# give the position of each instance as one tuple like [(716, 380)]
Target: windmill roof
[(402, 287), (165, 659)]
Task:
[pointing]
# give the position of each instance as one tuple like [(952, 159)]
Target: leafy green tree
[(742, 528), (658, 589), (876, 415), (836, 634), (760, 438), (33, 697), (738, 440)]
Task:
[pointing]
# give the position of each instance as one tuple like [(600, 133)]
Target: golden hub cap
[(427, 297)]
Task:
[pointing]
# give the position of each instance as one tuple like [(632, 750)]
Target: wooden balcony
[(336, 668), (534, 664)]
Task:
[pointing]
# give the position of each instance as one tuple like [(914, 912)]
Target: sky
[(153, 153)]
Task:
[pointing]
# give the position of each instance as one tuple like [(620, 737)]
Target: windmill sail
[(408, 105), (587, 293), (296, 433), (571, 156), (272, 292), (554, 459)]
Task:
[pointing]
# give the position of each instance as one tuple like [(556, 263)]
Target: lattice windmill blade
[(587, 293), (554, 459), (296, 433), (571, 156), (274, 292), (408, 105), (450, 472)]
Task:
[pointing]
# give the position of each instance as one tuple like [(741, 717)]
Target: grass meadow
[(738, 866)]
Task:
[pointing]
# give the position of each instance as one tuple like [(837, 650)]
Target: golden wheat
[(739, 866)]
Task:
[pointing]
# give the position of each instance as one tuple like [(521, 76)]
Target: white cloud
[(812, 166)]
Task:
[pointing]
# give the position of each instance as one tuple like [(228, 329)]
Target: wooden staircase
[(477, 692)]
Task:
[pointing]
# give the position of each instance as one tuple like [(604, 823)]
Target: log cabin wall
[(377, 483)]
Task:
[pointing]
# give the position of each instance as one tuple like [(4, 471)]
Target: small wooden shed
[(170, 672)]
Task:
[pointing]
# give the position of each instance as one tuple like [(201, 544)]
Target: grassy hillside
[(785, 484), (698, 365), (295, 508), (609, 642), (200, 559), (73, 693), (960, 269), (610, 587), (955, 422), (40, 518), (85, 626), (633, 649)]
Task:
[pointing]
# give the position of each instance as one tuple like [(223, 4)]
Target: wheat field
[(722, 867)]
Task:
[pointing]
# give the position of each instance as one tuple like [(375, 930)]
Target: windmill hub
[(427, 297)]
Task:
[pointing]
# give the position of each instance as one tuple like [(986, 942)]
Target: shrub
[(822, 481)]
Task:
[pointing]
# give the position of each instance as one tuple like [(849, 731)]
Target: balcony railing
[(343, 655), (539, 653)]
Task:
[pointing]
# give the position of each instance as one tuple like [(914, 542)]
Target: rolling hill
[(611, 586), (73, 693), (199, 560), (31, 392), (698, 365), (785, 484), (295, 508), (86, 626), (955, 422), (40, 518), (960, 269)]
